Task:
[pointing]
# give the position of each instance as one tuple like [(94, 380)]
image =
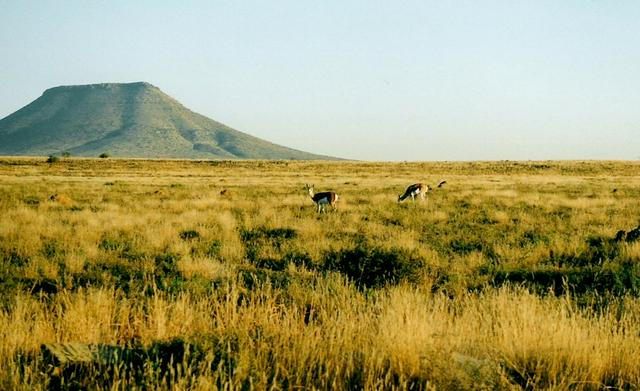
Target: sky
[(365, 80)]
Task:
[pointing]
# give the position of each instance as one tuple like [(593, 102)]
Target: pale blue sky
[(370, 80)]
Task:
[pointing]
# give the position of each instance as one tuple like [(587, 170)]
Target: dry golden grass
[(519, 285)]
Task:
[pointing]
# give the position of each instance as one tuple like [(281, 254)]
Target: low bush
[(189, 234), (31, 200), (120, 275), (214, 249), (371, 267), (115, 241), (263, 240)]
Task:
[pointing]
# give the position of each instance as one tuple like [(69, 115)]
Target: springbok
[(322, 199), (417, 189)]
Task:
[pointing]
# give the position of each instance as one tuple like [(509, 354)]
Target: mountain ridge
[(128, 120)]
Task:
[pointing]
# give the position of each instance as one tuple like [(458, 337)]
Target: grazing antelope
[(417, 189), (322, 199)]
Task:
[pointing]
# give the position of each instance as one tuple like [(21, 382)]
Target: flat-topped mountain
[(127, 120)]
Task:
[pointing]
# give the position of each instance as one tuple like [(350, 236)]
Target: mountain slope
[(127, 120)]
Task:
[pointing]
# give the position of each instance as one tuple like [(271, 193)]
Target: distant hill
[(127, 120)]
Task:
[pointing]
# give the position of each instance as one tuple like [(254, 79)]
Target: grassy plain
[(221, 275)]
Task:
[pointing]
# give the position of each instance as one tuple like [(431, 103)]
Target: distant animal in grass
[(62, 199), (417, 190), (322, 199)]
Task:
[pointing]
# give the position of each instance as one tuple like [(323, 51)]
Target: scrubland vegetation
[(221, 275)]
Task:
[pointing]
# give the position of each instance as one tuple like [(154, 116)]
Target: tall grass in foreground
[(221, 275), (401, 337)]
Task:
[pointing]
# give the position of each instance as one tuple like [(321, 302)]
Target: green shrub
[(298, 258), (51, 249), (189, 234), (129, 277), (462, 246), (115, 241), (597, 251), (254, 278), (372, 267), (617, 281), (31, 200), (276, 234), (16, 260), (214, 249), (532, 238), (258, 239), (166, 264)]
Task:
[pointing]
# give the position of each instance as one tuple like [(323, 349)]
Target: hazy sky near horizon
[(367, 80)]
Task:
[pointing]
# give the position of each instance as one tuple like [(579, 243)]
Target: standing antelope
[(322, 199), (417, 189)]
